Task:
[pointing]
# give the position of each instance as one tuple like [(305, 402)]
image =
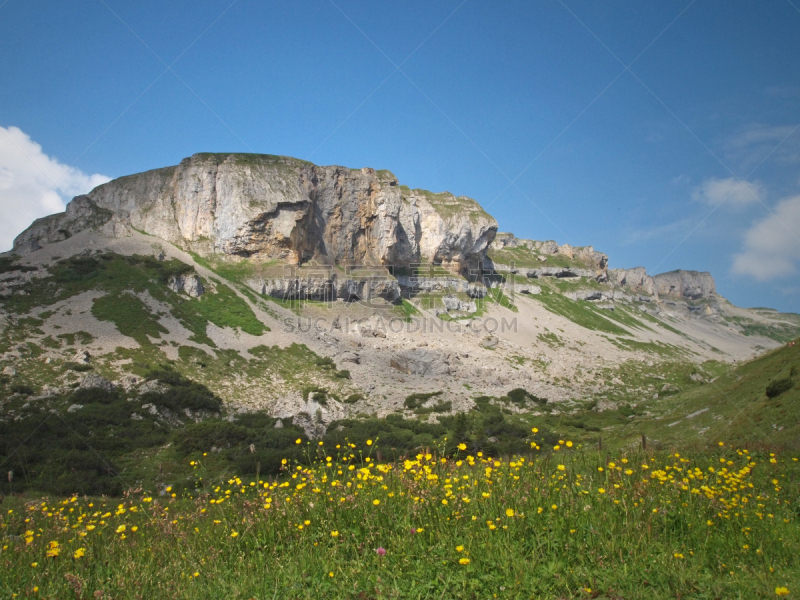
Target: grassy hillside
[(757, 402), (698, 405)]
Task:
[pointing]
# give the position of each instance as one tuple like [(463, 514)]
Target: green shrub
[(626, 411), (7, 265), (326, 362), (579, 424), (343, 374), (182, 393), (776, 387), (131, 316), (76, 269), (80, 367), (93, 396), (415, 400), (520, 396), (398, 436), (317, 394), (439, 407)]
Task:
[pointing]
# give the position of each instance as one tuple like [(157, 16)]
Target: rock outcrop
[(272, 207), (636, 280), (420, 361), (583, 254), (92, 380), (688, 285), (327, 289), (453, 303), (442, 284), (535, 273), (188, 284), (591, 295), (82, 213)]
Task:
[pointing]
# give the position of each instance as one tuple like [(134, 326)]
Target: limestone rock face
[(189, 284), (690, 285), (590, 295), (635, 279), (82, 213), (585, 254), (441, 284), (327, 289), (273, 207)]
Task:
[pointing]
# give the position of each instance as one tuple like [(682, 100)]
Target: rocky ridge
[(270, 207), (315, 233)]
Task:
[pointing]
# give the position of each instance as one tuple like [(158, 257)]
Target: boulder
[(351, 357), (420, 361), (190, 284), (93, 380), (490, 341), (453, 303)]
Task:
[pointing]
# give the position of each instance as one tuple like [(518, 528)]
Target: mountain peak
[(276, 207)]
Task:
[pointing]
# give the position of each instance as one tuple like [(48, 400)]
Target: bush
[(79, 367), (201, 437), (626, 411), (93, 396), (7, 265), (183, 393), (397, 436), (776, 387), (439, 407), (415, 400), (326, 362), (343, 374), (319, 395), (21, 388), (76, 269), (521, 395)]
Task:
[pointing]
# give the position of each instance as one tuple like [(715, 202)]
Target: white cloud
[(772, 246), (757, 142), (32, 184), (733, 192)]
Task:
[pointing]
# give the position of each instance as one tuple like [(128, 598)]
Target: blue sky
[(664, 134)]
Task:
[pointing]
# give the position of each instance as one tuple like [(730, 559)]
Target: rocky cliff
[(279, 208), (636, 280), (272, 207), (690, 285), (586, 255)]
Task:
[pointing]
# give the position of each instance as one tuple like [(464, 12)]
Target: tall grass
[(568, 524)]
